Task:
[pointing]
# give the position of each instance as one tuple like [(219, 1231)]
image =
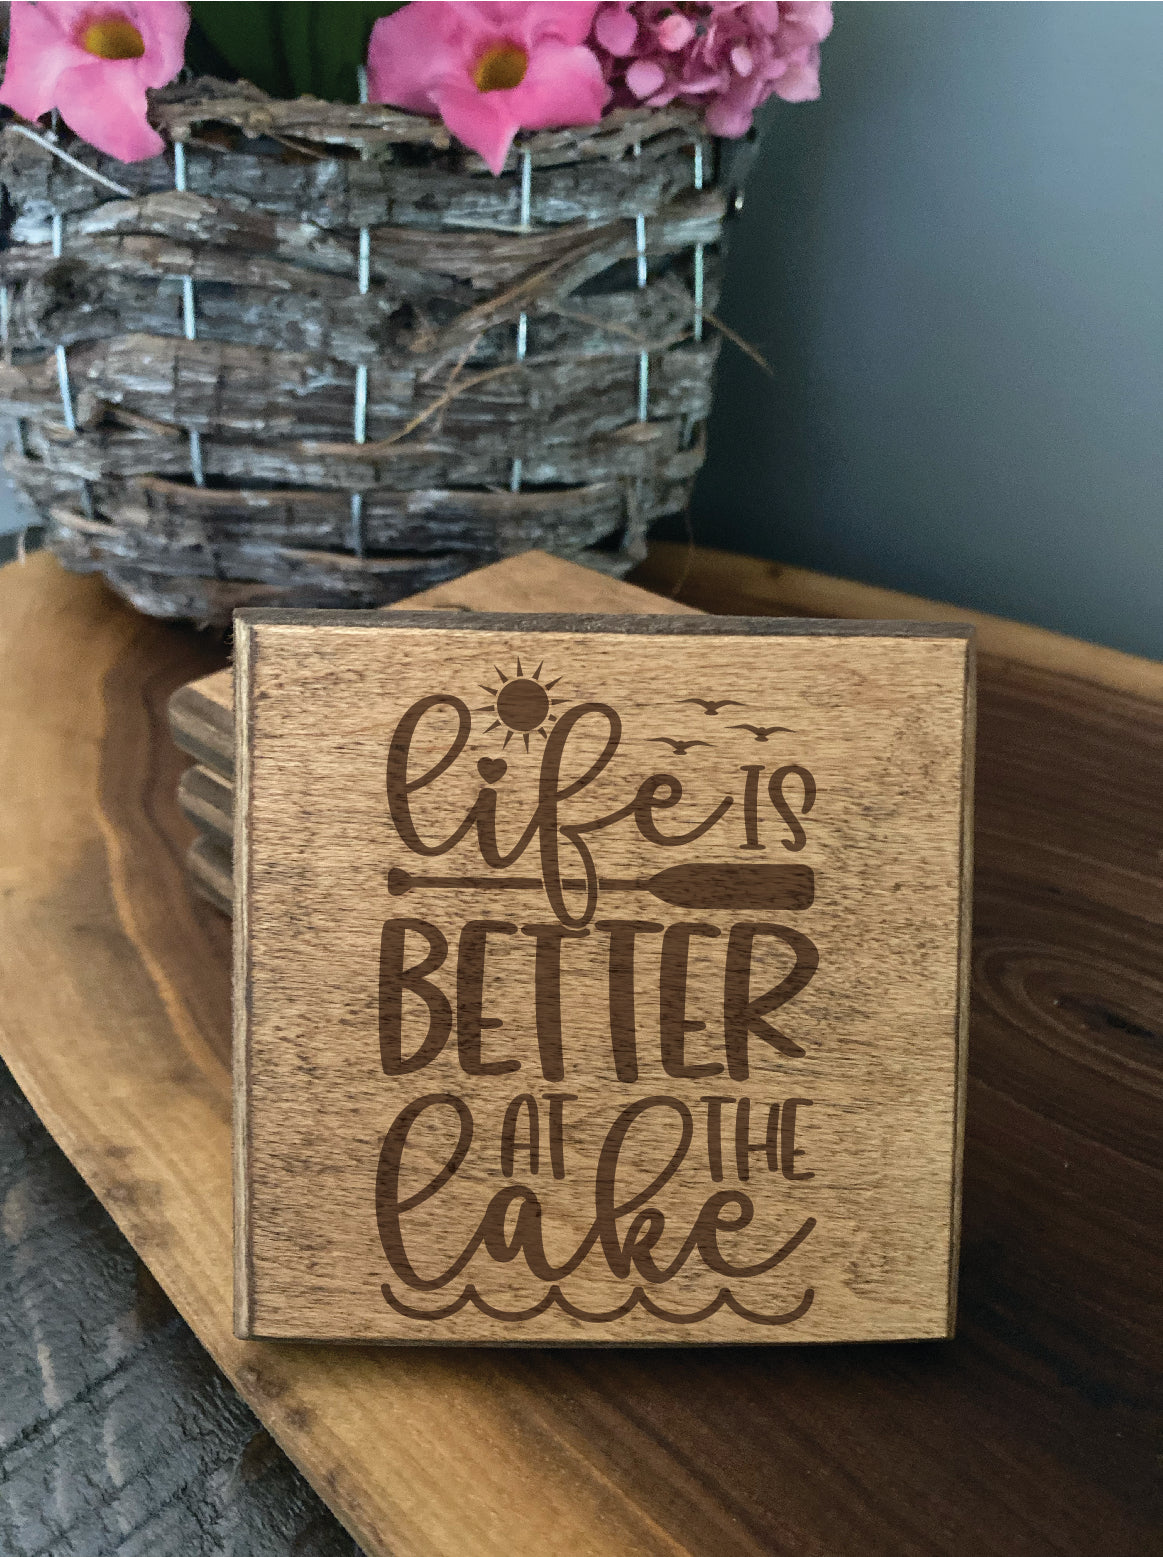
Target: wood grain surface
[(118, 1435), (693, 954), (1030, 1434), (202, 711)]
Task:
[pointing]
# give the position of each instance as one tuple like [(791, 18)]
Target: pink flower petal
[(616, 29), (101, 100), (561, 20), (741, 60), (730, 120), (562, 85), (104, 103), (793, 38), (39, 49), (477, 119), (675, 32), (800, 82), (765, 20), (411, 53), (163, 25), (705, 81), (645, 77), (725, 58), (814, 15), (425, 58)]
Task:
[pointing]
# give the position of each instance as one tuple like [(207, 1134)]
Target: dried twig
[(736, 339), (429, 373), (45, 144), (579, 317), (440, 402)]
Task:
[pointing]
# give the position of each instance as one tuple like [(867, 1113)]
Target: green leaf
[(338, 44), (287, 48), (247, 36), (296, 24)]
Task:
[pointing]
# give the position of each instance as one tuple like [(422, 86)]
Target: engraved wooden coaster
[(599, 979)]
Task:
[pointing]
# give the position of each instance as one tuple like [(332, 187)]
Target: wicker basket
[(318, 355)]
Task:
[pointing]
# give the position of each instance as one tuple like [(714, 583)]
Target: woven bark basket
[(319, 355)]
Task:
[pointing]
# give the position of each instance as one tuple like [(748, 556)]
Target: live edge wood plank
[(720, 581), (1031, 1434)]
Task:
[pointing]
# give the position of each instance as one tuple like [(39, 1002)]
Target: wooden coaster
[(598, 979), (201, 713)]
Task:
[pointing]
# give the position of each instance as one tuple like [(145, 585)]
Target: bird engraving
[(680, 748), (761, 732), (711, 706)]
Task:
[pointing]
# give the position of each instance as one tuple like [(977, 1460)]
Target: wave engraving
[(639, 1298)]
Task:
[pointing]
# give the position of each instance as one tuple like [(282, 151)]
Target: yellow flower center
[(501, 68), (112, 38)]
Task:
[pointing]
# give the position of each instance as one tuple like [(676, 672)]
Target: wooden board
[(724, 581), (208, 800), (209, 862), (525, 1047), (1033, 1432), (202, 713), (138, 1433)]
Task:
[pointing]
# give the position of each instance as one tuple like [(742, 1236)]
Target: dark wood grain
[(117, 1432), (1030, 1435)]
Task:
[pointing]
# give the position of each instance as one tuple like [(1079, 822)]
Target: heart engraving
[(492, 769)]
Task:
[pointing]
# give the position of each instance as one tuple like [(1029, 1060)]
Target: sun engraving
[(521, 704)]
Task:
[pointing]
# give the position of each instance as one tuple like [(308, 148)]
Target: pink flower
[(94, 63), (489, 70), (723, 58)]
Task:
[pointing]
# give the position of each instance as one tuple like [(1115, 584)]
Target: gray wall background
[(954, 264)]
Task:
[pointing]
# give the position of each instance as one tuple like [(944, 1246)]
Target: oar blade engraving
[(700, 886)]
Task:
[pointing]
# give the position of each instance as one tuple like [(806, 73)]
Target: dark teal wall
[(954, 263)]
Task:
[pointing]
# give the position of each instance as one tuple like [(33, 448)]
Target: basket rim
[(178, 110)]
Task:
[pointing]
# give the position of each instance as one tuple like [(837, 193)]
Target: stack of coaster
[(202, 713)]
